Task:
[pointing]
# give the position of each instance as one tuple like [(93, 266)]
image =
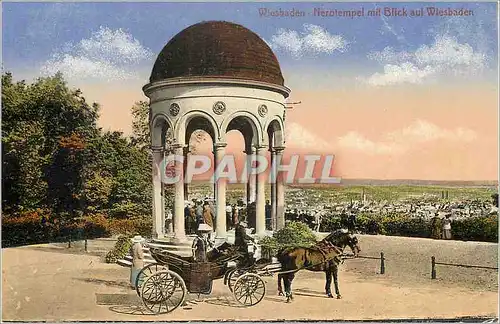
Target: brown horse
[(325, 256)]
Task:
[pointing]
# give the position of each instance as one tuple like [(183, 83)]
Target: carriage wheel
[(163, 292), (146, 272), (233, 276), (249, 289)]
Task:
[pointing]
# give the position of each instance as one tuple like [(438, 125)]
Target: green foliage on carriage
[(294, 234), (121, 249)]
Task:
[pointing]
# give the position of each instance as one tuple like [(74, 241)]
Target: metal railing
[(381, 258), (434, 263)]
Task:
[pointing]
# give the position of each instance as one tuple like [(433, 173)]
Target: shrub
[(293, 234), (476, 229), (120, 250), (96, 226), (330, 223), (402, 225), (131, 226), (296, 233), (26, 228)]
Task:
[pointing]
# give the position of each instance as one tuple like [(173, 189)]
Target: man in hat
[(201, 243), (436, 227), (351, 222), (137, 259), (241, 239)]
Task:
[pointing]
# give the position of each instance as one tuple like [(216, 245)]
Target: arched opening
[(276, 140), (161, 132), (244, 135), (275, 134)]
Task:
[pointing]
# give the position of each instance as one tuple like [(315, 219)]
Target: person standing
[(236, 216), (447, 227), (436, 227), (208, 215), (213, 213), (137, 259), (268, 214), (241, 239), (229, 216), (187, 214), (351, 222), (199, 213), (201, 243)]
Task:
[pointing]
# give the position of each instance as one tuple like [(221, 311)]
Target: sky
[(392, 97)]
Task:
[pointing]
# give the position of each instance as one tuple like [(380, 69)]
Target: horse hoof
[(330, 295), (339, 297), (280, 293)]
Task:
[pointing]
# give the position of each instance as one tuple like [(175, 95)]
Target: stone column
[(220, 228), (158, 208), (260, 222), (280, 191), (186, 185), (179, 230), (252, 178), (273, 190)]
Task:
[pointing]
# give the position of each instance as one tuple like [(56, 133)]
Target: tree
[(140, 124), (41, 125), (64, 176)]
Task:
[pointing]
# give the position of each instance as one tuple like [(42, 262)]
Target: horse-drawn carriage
[(163, 286)]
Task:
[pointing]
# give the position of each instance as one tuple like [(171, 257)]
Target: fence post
[(433, 267), (382, 263), (86, 245), (69, 241)]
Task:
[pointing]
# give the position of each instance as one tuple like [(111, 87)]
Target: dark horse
[(325, 256)]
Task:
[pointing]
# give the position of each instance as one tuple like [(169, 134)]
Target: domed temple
[(217, 76)]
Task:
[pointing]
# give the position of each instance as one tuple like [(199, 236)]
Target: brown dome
[(217, 49)]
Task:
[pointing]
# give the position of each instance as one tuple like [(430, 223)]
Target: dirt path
[(56, 286)]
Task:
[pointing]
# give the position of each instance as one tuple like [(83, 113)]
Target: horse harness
[(323, 249)]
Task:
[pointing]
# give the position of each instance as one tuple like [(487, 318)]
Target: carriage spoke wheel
[(163, 291), (233, 276), (145, 273), (249, 289)]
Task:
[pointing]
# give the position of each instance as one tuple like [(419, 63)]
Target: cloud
[(422, 131), (389, 55), (299, 137), (444, 57), (356, 141), (107, 55), (402, 140), (312, 41), (403, 73)]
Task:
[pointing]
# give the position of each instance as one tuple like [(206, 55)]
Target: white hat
[(204, 228), (244, 224), (138, 239)]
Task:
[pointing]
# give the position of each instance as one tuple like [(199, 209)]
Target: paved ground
[(43, 285)]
